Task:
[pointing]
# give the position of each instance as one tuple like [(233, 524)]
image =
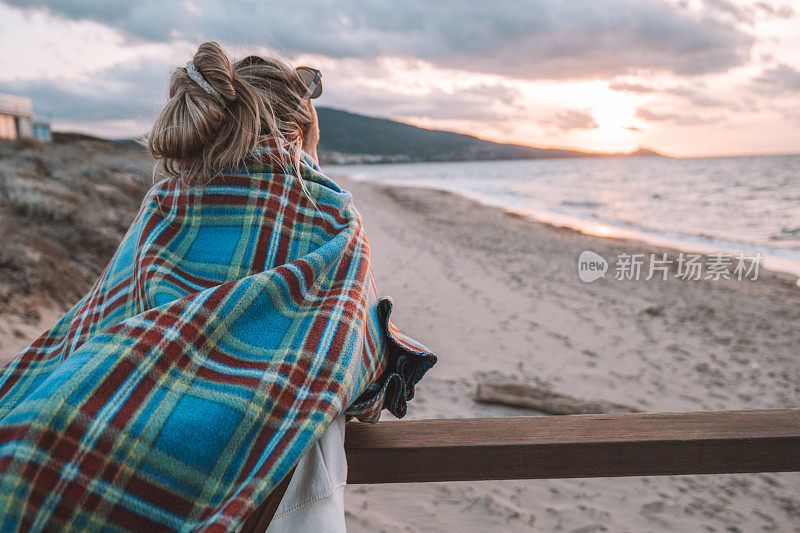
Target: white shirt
[(314, 499)]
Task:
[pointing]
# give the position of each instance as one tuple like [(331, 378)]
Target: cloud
[(528, 71), (749, 13), (725, 7), (481, 102), (54, 101), (781, 79), (120, 92), (681, 119), (700, 98), (629, 87), (784, 11), (573, 119), (696, 94), (535, 39), (138, 91)]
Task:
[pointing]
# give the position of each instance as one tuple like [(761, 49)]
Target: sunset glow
[(719, 78)]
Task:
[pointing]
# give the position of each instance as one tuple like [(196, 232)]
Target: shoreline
[(782, 268), (777, 265), (773, 259)]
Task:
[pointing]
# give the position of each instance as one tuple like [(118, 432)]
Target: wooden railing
[(571, 446)]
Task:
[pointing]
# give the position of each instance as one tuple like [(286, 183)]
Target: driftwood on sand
[(521, 395)]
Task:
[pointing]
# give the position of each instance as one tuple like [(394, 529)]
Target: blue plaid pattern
[(235, 321)]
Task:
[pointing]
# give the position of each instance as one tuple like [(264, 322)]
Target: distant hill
[(70, 137), (344, 135)]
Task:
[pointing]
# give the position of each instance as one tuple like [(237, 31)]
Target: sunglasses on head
[(311, 77), (313, 81)]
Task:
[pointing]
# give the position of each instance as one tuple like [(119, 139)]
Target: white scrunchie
[(198, 78)]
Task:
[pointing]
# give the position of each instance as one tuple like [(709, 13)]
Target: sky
[(684, 77)]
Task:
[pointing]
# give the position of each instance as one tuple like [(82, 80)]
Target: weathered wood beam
[(574, 446)]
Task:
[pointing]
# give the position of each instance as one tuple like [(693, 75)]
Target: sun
[(615, 127), (615, 115)]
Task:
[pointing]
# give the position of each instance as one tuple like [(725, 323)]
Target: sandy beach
[(498, 298)]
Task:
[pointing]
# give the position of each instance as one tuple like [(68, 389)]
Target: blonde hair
[(200, 134)]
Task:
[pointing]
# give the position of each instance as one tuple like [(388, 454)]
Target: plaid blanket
[(234, 322)]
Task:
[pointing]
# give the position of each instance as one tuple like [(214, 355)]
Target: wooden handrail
[(574, 446), (567, 446)]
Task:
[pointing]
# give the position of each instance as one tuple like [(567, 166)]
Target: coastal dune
[(498, 298)]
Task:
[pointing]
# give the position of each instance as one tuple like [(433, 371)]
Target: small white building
[(16, 119)]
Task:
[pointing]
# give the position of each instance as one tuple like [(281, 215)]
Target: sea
[(747, 204)]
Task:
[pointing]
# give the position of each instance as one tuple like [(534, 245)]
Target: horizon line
[(655, 150)]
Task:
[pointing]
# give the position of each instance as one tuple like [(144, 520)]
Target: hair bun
[(218, 111), (213, 64)]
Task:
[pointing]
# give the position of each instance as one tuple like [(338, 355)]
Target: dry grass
[(63, 210)]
